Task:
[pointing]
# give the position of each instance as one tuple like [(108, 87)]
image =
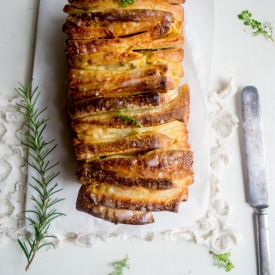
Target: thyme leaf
[(126, 118), (38, 152), (119, 266), (224, 260), (265, 29)]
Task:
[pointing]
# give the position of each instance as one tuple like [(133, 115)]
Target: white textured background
[(250, 60)]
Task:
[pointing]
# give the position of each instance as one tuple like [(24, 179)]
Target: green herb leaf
[(241, 16), (266, 30), (38, 151), (119, 266), (224, 260), (124, 3), (126, 118)]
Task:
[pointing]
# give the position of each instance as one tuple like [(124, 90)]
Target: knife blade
[(256, 176)]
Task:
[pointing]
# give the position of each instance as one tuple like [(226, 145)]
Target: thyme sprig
[(124, 3), (119, 266), (126, 118), (224, 260), (38, 151), (266, 29)]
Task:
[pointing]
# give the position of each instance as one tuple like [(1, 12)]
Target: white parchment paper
[(50, 75)]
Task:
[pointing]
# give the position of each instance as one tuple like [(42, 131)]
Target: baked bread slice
[(175, 130), (177, 109), (97, 105), (89, 176), (103, 3), (80, 7), (134, 198), (124, 60), (117, 22), (115, 82), (132, 144), (156, 164), (121, 49), (123, 216)]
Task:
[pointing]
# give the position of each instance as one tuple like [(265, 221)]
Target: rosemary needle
[(38, 152)]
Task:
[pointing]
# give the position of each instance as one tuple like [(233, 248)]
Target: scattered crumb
[(244, 30)]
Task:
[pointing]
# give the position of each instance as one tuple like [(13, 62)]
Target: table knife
[(257, 186)]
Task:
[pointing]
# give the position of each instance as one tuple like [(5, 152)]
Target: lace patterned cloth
[(213, 231)]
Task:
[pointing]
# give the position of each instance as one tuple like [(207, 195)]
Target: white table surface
[(250, 60)]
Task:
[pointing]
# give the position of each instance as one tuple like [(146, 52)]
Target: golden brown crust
[(89, 48), (96, 3), (91, 106), (126, 59), (99, 83), (89, 176), (116, 23), (134, 198), (177, 12), (114, 215), (178, 109), (156, 164), (175, 130), (133, 144), (118, 48)]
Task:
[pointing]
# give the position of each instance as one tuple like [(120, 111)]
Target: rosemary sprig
[(266, 29), (127, 118), (38, 151), (124, 3), (224, 260), (119, 266)]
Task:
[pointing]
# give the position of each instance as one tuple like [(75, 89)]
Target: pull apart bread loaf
[(127, 109)]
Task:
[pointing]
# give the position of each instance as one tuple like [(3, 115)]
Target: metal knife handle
[(263, 244)]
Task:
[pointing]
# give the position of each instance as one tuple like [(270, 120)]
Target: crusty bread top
[(119, 23), (96, 3)]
